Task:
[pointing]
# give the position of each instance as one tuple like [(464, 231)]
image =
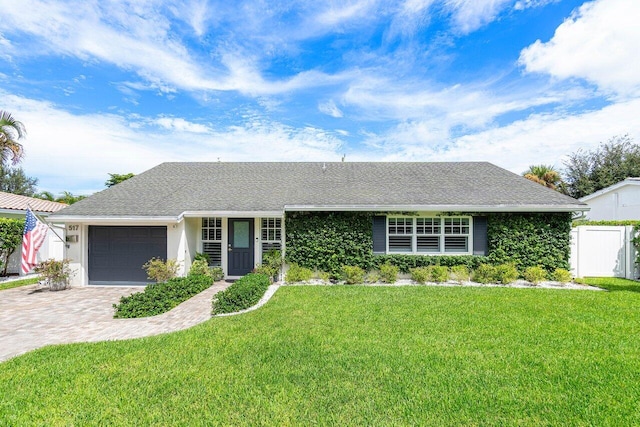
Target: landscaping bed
[(158, 298)]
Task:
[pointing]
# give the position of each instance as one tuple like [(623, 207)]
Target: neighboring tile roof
[(20, 203), (170, 189)]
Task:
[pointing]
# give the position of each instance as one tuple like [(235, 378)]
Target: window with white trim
[(212, 240), (271, 234), (429, 235)]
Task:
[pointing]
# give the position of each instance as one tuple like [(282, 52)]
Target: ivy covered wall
[(326, 241), (530, 239)]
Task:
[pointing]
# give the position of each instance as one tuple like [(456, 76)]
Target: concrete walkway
[(32, 318)]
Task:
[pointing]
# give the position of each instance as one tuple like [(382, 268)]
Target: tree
[(69, 198), (543, 175), (589, 171), (14, 180), (116, 178), (45, 195), (10, 238), (11, 131)]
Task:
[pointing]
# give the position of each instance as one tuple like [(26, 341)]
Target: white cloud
[(76, 152), (474, 105), (527, 4), (330, 108), (341, 11), (538, 139), (181, 125), (138, 37), (600, 42), (469, 15)]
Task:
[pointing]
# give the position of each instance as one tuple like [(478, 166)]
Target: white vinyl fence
[(603, 251)]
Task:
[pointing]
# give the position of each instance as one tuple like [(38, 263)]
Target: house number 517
[(74, 227)]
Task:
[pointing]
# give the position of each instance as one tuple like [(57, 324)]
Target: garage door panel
[(116, 254)]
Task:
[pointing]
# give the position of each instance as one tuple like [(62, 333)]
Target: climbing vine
[(325, 241)]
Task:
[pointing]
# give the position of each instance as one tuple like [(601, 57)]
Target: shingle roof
[(20, 203), (170, 189)]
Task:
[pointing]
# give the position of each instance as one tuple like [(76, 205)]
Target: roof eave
[(625, 183), (110, 219), (227, 213), (440, 208)]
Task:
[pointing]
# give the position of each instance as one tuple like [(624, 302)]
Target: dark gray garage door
[(116, 254)]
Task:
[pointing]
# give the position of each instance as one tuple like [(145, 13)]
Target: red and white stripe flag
[(32, 239)]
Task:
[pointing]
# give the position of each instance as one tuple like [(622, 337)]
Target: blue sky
[(119, 86)]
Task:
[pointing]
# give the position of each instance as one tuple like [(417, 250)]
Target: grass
[(355, 355), (614, 284), (18, 283)]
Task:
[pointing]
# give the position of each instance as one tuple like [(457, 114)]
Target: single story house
[(15, 206), (620, 201), (235, 212)]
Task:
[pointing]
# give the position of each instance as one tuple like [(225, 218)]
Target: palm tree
[(543, 175), (11, 131), (69, 198), (45, 195)]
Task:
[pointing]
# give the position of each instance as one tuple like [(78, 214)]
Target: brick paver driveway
[(31, 318)]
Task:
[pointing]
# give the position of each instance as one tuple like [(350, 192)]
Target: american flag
[(32, 239)]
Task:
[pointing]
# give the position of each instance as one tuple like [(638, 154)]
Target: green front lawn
[(18, 283), (355, 355)]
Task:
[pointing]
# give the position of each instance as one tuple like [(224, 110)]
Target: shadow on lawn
[(629, 286)]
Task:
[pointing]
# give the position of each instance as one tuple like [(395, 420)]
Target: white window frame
[(221, 229), (442, 235), (276, 229)]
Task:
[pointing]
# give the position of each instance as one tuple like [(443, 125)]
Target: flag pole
[(42, 220)]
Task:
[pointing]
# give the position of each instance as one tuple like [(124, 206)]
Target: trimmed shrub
[(420, 275), (389, 273), (352, 274), (506, 273), (535, 274), (271, 264), (439, 273), (561, 275), (407, 262), (202, 256), (485, 273), (160, 270), (158, 298), (243, 293), (199, 267), (459, 273), (322, 275), (298, 274), (372, 277), (216, 273)]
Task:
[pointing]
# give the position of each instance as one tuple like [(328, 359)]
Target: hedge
[(407, 262), (243, 293), (158, 298), (620, 222)]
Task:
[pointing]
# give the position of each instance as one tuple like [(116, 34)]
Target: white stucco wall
[(76, 252), (53, 247), (623, 203), (177, 247), (192, 233)]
